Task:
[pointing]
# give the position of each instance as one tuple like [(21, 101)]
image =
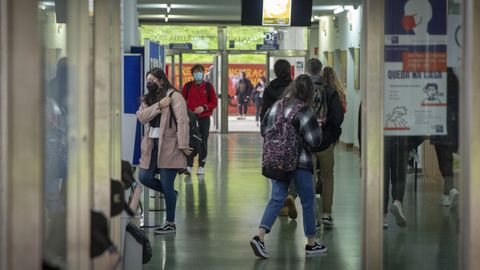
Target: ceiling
[(212, 11)]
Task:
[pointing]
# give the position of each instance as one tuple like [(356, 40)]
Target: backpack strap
[(208, 89), (172, 114), (188, 87)]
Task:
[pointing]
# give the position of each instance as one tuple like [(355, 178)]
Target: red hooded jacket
[(198, 97)]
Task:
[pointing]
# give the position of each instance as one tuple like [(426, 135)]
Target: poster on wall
[(277, 12), (415, 67), (154, 56), (131, 128)]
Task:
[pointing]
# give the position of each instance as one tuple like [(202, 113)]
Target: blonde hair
[(330, 79)]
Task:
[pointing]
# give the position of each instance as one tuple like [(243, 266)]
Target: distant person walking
[(202, 100), (258, 97), (244, 92)]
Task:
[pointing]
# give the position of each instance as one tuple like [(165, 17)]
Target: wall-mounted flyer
[(415, 67)]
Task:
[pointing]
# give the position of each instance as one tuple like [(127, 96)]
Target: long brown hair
[(301, 88), (330, 78)]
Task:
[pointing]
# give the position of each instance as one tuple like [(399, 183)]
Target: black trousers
[(445, 162), (395, 168), (258, 108), (242, 104), (204, 126)]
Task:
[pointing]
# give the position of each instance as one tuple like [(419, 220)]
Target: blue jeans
[(304, 185), (167, 176)]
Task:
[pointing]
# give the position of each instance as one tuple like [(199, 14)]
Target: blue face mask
[(198, 76)]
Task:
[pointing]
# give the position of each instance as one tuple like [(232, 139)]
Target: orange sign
[(424, 61)]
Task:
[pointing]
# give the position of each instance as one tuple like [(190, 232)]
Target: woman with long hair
[(295, 106), (165, 145), (336, 104), (258, 97), (330, 79)]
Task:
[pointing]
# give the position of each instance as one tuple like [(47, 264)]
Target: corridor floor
[(218, 215)]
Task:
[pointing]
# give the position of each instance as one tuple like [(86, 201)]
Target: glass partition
[(421, 134), (55, 83)]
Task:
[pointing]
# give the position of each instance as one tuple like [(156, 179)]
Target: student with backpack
[(329, 107), (202, 100), (291, 133), (272, 94)]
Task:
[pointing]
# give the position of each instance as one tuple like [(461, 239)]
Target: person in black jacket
[(244, 91), (329, 93), (275, 89)]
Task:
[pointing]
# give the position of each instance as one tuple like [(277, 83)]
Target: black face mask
[(152, 87)]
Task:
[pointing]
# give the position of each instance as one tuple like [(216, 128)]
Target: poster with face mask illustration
[(415, 67)]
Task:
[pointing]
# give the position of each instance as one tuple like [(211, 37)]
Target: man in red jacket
[(202, 100)]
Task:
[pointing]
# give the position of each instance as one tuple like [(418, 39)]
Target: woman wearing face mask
[(165, 144), (202, 100)]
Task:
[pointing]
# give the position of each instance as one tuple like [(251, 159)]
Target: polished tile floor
[(218, 215)]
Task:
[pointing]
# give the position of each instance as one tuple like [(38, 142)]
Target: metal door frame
[(470, 141)]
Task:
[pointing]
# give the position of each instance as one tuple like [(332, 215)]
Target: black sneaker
[(316, 249), (166, 229), (327, 220), (258, 247)]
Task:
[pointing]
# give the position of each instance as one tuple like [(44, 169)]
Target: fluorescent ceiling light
[(48, 3), (338, 10), (324, 8), (349, 8)]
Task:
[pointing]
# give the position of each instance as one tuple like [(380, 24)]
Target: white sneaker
[(397, 211), (445, 200), (385, 221), (453, 197), (201, 170)]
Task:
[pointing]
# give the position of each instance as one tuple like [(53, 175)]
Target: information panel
[(277, 12), (415, 67)]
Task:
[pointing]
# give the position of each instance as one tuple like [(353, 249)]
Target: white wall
[(339, 33)]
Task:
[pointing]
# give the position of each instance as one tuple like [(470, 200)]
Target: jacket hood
[(279, 83)]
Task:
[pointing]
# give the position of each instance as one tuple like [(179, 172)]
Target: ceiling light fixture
[(338, 10)]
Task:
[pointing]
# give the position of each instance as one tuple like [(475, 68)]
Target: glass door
[(245, 71)]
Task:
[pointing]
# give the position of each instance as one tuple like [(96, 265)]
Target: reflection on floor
[(242, 125), (217, 216)]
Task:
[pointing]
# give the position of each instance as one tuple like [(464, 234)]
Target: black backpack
[(196, 142), (142, 239), (320, 103)]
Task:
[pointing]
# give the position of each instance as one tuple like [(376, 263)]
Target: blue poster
[(132, 91)]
